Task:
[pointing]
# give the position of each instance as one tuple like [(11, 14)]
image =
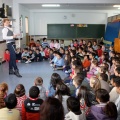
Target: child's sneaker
[(66, 72), (51, 65), (27, 62)]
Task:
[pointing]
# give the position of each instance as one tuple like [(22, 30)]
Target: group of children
[(90, 90), (36, 52)]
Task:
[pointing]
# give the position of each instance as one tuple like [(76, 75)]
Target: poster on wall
[(82, 25)]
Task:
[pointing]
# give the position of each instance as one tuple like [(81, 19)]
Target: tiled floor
[(29, 73)]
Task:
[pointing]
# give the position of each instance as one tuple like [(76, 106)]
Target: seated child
[(39, 83), (75, 113), (52, 109), (81, 43), (20, 95), (18, 55), (25, 56), (32, 43), (104, 109), (95, 47), (38, 56), (79, 81), (52, 44), (103, 81), (75, 44), (93, 69), (3, 94), (99, 51), (51, 54), (62, 44), (66, 67), (7, 55), (31, 56), (86, 62), (57, 45), (55, 78), (9, 112), (42, 53), (59, 63), (113, 93), (44, 43), (37, 44), (117, 102), (31, 106), (84, 98), (54, 60), (47, 53)]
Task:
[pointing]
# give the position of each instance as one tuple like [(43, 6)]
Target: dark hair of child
[(83, 93), (34, 92), (62, 89), (110, 108), (118, 70), (51, 109), (19, 90), (117, 81), (104, 76), (73, 104), (55, 78), (78, 79), (44, 39)]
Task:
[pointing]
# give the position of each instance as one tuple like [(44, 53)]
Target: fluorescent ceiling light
[(116, 5), (50, 5)]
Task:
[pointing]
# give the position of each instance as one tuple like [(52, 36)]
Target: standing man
[(9, 36)]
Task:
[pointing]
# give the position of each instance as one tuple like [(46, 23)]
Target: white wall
[(40, 18), (25, 13)]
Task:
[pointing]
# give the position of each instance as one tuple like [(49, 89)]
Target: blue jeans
[(12, 63)]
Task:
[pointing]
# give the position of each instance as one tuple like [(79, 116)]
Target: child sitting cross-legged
[(38, 56), (25, 56)]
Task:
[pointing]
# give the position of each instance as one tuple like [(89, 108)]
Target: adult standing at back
[(9, 36)]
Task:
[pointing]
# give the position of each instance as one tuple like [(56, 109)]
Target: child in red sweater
[(86, 62), (20, 95), (7, 55), (31, 106), (99, 51)]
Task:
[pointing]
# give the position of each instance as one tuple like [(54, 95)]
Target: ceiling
[(74, 6)]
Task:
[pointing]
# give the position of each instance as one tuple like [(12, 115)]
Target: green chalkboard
[(68, 31), (61, 31), (91, 31)]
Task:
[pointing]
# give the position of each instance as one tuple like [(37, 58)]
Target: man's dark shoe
[(11, 72), (17, 73)]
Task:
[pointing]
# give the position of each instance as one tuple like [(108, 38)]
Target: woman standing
[(9, 36)]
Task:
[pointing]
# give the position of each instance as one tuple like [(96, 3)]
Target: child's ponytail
[(111, 110)]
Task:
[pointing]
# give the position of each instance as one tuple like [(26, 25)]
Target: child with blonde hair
[(39, 83)]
